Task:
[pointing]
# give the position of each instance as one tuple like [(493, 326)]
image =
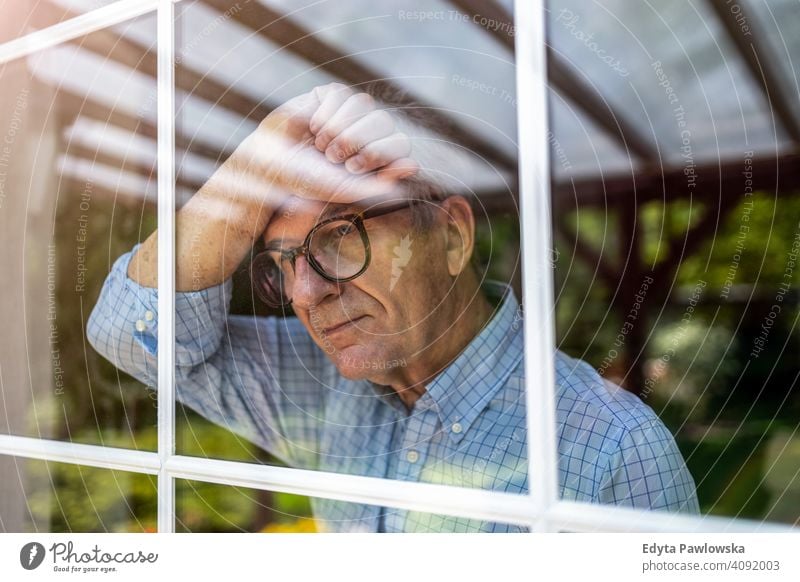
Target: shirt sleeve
[(646, 470), (261, 377)]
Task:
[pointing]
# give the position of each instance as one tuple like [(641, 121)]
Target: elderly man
[(398, 360)]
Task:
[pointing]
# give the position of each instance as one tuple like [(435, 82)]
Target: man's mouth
[(341, 326)]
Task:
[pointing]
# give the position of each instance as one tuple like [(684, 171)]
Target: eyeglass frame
[(357, 219)]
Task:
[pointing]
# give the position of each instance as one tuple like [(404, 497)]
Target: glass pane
[(692, 306), (676, 277), (264, 386), (208, 507), (77, 188), (23, 17), (43, 496), (670, 71), (468, 73), (707, 341)]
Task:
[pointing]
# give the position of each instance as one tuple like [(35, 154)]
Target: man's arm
[(646, 470), (264, 378), (217, 227)]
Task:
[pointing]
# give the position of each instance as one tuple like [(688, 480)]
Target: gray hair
[(428, 186)]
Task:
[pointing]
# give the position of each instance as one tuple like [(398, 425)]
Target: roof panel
[(579, 148), (672, 70), (215, 44)]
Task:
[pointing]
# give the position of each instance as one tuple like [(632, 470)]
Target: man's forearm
[(214, 230)]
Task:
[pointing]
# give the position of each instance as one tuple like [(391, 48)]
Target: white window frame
[(541, 509)]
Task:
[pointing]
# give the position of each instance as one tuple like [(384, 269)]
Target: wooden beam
[(630, 280), (776, 174), (587, 98), (567, 82), (502, 22), (109, 44), (289, 35), (121, 197), (74, 105), (148, 171), (761, 64)]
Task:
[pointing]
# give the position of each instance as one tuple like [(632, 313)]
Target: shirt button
[(148, 315), (140, 325), (456, 428), (412, 456)]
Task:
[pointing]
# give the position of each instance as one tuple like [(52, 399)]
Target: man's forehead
[(304, 213)]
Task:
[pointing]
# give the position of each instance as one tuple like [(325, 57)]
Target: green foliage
[(767, 230), (73, 498)]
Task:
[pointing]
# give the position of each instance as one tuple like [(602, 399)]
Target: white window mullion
[(540, 509), (537, 285), (460, 502), (474, 503), (585, 517), (100, 456), (165, 37)]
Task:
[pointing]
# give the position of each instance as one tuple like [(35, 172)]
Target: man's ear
[(459, 233)]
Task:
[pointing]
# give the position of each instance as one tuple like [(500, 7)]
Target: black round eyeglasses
[(337, 248)]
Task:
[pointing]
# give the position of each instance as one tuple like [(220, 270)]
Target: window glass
[(45, 496), (676, 281), (77, 188), (266, 384)]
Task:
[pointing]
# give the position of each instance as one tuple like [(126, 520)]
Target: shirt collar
[(463, 389)]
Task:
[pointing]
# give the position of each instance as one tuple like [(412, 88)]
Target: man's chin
[(360, 363)]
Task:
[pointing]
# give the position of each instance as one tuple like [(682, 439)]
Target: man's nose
[(309, 288)]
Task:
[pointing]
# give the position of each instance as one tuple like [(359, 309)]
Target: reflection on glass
[(291, 385), (207, 507), (678, 283), (43, 496), (77, 185)]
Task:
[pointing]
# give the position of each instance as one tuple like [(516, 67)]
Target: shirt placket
[(411, 449)]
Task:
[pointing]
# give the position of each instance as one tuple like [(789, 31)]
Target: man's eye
[(345, 229)]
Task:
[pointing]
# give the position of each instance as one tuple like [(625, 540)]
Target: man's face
[(383, 318)]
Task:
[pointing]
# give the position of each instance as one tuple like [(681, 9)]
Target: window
[(117, 112)]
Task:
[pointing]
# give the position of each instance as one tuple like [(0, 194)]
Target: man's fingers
[(292, 118), (354, 108), (399, 169), (380, 153), (331, 97), (372, 127)]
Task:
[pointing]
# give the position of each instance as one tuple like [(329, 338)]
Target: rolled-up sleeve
[(261, 377)]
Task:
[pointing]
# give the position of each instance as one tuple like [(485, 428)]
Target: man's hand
[(330, 144), (349, 129)]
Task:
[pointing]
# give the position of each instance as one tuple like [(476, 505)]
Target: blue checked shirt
[(265, 379)]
